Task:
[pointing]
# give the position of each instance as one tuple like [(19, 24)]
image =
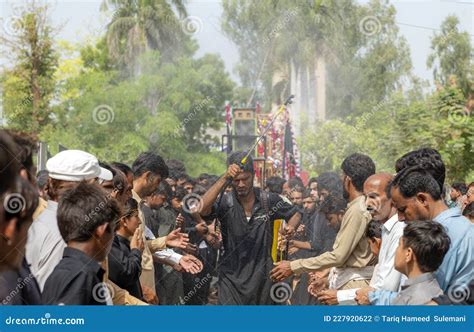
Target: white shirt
[(45, 245), (168, 254), (385, 276)]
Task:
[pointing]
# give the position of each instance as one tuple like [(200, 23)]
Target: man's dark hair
[(212, 179), (125, 169), (42, 178), (164, 189), (9, 166), (27, 147), (179, 193), (374, 230), (149, 162), (188, 179), (236, 158), (130, 208), (307, 193), (331, 182), (275, 184), (426, 156), (358, 167), (468, 210), (119, 180), (298, 189), (294, 182), (429, 242), (84, 208), (175, 166), (460, 186), (199, 190), (310, 181), (333, 205), (413, 180), (203, 177)]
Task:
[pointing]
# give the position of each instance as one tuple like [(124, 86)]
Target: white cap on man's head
[(76, 165)]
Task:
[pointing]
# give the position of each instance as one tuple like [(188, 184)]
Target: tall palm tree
[(141, 25)]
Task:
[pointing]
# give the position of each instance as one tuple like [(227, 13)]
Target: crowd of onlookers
[(88, 232)]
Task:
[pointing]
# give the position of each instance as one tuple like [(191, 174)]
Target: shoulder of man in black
[(74, 280), (278, 207)]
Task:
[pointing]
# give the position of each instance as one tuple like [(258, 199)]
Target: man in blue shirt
[(416, 193)]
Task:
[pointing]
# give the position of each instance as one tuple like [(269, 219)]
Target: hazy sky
[(417, 21)]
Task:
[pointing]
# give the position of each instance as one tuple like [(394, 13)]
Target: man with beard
[(380, 206), (351, 254), (416, 193), (148, 171), (247, 217), (300, 244)]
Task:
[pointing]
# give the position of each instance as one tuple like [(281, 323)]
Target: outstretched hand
[(281, 271), (176, 239), (191, 264)]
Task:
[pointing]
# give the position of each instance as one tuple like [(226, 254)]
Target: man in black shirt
[(246, 216), (87, 219)]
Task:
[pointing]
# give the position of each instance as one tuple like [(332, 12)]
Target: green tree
[(28, 87), (452, 55), (295, 34), (139, 26), (396, 126), (168, 110)]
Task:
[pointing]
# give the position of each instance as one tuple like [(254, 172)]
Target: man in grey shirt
[(420, 252), (45, 245)]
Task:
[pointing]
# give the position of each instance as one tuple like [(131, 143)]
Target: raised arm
[(211, 195)]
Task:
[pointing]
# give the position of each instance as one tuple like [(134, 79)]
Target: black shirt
[(19, 287), (244, 269), (125, 266), (77, 279)]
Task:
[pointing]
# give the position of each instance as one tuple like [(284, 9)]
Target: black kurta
[(125, 266), (244, 268), (77, 279)]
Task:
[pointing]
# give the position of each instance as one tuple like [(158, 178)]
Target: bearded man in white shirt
[(385, 276)]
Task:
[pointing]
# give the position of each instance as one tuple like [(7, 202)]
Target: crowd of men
[(88, 232)]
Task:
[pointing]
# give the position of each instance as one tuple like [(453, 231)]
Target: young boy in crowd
[(125, 257), (87, 219), (374, 236), (421, 251)]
